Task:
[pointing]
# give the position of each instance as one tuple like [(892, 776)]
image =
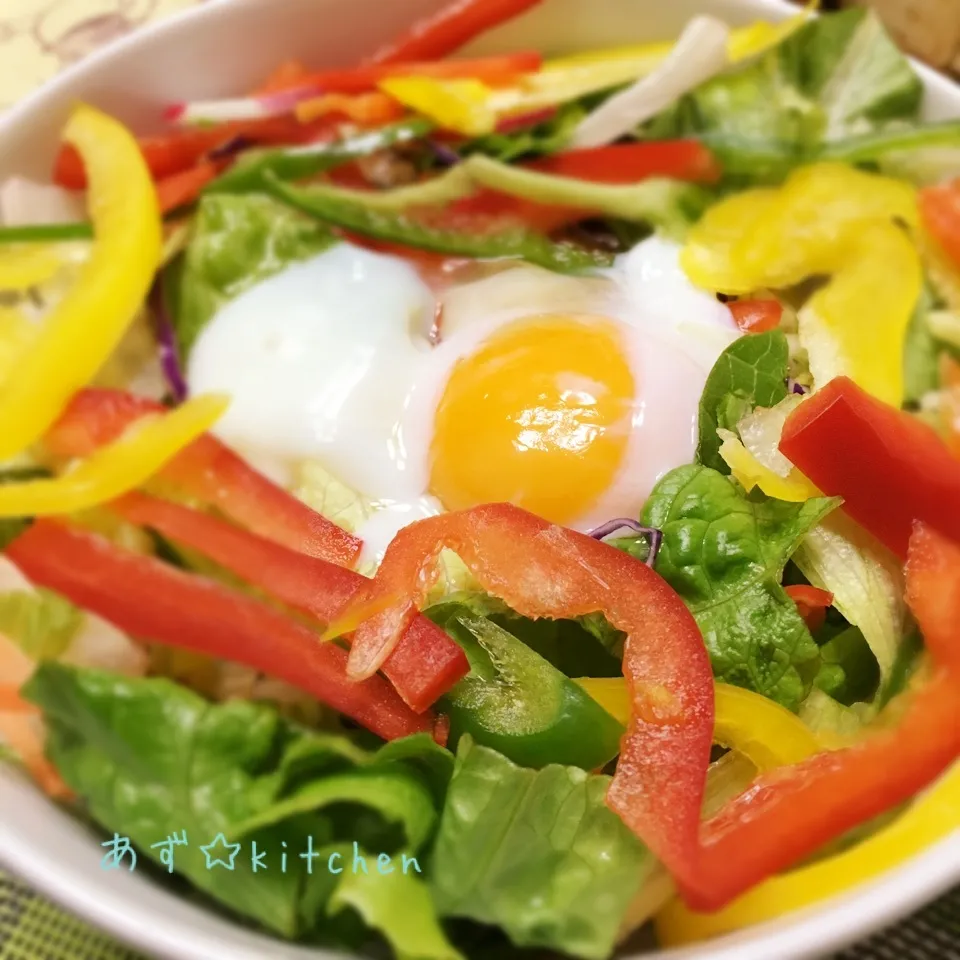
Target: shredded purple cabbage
[(446, 156), (795, 387), (167, 342), (232, 146), (653, 535)]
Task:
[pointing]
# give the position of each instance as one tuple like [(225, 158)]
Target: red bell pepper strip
[(520, 121), (149, 599), (181, 189), (812, 603), (179, 150), (791, 812), (542, 570), (940, 212), (490, 212), (756, 316), (207, 471), (452, 27), (495, 71), (889, 467), (632, 162), (426, 662)]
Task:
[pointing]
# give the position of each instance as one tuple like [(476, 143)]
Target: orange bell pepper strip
[(542, 570), (288, 76), (812, 603), (150, 599), (206, 471), (940, 212), (367, 109), (21, 726), (425, 664), (756, 316), (23, 732), (889, 466), (452, 27)]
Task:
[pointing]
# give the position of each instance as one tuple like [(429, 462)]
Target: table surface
[(38, 38)]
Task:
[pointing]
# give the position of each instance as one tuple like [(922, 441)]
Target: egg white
[(330, 360), (319, 361)]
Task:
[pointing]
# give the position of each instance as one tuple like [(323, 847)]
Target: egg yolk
[(539, 416)]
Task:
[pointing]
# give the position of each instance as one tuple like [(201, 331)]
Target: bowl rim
[(812, 931)]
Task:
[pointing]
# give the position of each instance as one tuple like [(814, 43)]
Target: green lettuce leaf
[(921, 352), (839, 76), (866, 581), (750, 373), (825, 715), (849, 671), (925, 154), (724, 553), (330, 497), (39, 621), (399, 906), (237, 241), (150, 759), (543, 139), (537, 853)]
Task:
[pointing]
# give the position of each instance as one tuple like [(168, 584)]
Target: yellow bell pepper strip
[(882, 269), (16, 332), (930, 818), (85, 327), (757, 38), (463, 106), (767, 734), (750, 472), (473, 108), (24, 267), (827, 219), (117, 468)]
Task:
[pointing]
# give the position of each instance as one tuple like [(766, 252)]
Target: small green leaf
[(750, 373), (724, 554)]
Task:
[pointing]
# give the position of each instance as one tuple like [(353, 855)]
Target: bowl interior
[(216, 51)]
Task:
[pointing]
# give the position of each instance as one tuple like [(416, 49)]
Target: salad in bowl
[(465, 503)]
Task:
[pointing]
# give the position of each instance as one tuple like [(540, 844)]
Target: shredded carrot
[(180, 189), (368, 109), (289, 75)]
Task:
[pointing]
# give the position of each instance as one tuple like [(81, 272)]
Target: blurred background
[(40, 37)]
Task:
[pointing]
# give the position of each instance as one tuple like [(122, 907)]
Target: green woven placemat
[(32, 928)]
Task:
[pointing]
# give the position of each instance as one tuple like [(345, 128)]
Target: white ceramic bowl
[(215, 51)]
